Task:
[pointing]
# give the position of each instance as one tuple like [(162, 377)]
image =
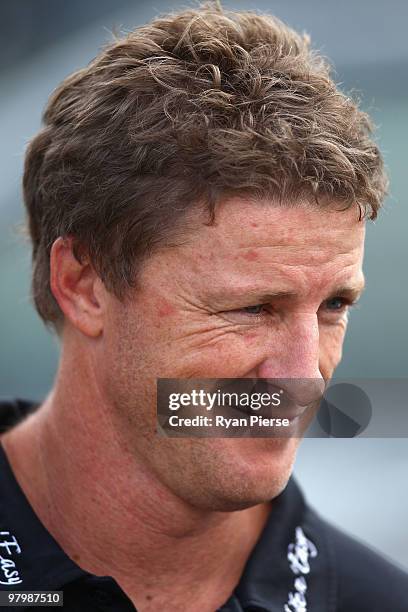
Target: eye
[(338, 304), (247, 315), (335, 303), (253, 310)]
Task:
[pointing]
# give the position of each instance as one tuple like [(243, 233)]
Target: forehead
[(245, 223), (253, 242)]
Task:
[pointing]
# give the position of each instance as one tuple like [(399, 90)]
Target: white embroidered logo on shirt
[(298, 557), (9, 546)]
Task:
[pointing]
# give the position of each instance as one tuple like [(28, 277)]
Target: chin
[(247, 472)]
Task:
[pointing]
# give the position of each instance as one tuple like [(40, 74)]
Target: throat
[(203, 573)]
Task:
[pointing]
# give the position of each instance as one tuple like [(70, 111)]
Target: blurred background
[(360, 484)]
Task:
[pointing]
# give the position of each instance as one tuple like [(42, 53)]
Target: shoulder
[(365, 580), (13, 411)]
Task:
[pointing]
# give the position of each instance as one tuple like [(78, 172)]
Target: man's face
[(262, 293)]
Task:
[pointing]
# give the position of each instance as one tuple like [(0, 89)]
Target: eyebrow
[(352, 292)]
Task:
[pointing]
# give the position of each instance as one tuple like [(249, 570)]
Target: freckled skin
[(155, 513), (250, 255), (186, 320), (164, 308)]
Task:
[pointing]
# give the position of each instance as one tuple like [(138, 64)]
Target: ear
[(77, 288)]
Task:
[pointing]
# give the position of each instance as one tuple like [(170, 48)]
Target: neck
[(81, 481)]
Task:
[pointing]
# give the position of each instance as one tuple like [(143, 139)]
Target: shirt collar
[(38, 559), (292, 567)]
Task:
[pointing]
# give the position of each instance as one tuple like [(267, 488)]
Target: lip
[(291, 412)]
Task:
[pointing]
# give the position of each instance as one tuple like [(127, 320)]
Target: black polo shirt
[(300, 564)]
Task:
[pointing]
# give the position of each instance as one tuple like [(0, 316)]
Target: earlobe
[(74, 285)]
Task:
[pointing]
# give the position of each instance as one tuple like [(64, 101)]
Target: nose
[(292, 361)]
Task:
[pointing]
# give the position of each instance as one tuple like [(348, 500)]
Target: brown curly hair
[(180, 112)]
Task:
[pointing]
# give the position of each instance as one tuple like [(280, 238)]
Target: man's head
[(196, 202)]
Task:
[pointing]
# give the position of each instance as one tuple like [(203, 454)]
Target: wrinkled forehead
[(260, 247), (242, 223)]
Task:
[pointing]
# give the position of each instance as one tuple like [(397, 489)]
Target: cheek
[(331, 345), (229, 354)]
